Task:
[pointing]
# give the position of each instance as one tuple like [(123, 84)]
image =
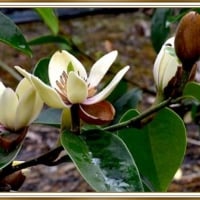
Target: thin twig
[(48, 159)]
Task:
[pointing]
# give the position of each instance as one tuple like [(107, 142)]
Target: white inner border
[(50, 195)]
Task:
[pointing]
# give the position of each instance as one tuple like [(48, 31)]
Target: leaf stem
[(134, 121), (49, 159)]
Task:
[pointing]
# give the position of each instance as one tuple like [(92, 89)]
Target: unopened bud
[(187, 40), (165, 66)]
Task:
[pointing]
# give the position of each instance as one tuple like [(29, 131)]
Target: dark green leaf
[(103, 160), (192, 89), (7, 157), (159, 28), (49, 17), (158, 148), (41, 70), (118, 91), (50, 116), (12, 35), (127, 101)]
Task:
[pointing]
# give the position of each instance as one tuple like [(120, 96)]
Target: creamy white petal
[(23, 86), (171, 67), (158, 67), (100, 68), (48, 94), (25, 109), (37, 107), (78, 67), (2, 88), (59, 63), (77, 90), (8, 106), (23, 72), (108, 89)]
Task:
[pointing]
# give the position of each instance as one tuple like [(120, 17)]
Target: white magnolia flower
[(166, 65), (19, 108), (70, 84)]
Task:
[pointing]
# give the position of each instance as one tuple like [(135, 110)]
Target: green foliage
[(128, 100), (158, 148), (103, 160), (192, 89), (7, 157), (12, 35), (41, 70), (159, 27), (50, 19)]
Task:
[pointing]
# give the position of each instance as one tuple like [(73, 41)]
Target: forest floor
[(96, 35)]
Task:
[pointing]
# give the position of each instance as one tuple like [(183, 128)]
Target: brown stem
[(75, 128), (48, 159)]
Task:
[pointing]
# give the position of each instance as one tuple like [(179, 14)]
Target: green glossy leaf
[(158, 148), (12, 35), (192, 89), (159, 27), (7, 157), (50, 116), (49, 17), (103, 160), (41, 70)]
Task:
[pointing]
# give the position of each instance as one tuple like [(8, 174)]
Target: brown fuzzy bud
[(187, 40)]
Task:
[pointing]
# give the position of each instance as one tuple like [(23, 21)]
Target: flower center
[(62, 85), (62, 88)]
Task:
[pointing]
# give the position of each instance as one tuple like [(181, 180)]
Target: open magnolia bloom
[(70, 84), (19, 108), (166, 65)]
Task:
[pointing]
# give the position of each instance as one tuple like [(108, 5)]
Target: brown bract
[(10, 140), (99, 113), (13, 181), (187, 40)]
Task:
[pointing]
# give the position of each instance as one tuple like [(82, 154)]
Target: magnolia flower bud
[(187, 41), (165, 66)]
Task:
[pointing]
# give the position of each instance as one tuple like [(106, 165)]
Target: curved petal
[(37, 107), (23, 72), (59, 62), (99, 113), (77, 90), (30, 104), (8, 106), (158, 68), (100, 68), (23, 86), (171, 67), (25, 109), (48, 94), (108, 89), (2, 88)]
